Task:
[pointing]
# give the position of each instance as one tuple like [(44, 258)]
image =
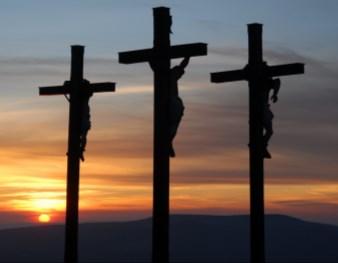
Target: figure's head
[(177, 72)]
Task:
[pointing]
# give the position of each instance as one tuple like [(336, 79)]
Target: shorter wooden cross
[(257, 72), (79, 91)]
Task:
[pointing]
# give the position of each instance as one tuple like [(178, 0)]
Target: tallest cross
[(159, 57), (259, 75)]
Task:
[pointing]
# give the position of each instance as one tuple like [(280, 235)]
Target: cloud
[(211, 143), (53, 61)]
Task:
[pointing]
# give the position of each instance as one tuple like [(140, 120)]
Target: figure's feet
[(266, 154), (172, 152)]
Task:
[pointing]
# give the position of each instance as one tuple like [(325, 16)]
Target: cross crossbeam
[(257, 72), (176, 51), (79, 91), (65, 89), (270, 71), (159, 57)]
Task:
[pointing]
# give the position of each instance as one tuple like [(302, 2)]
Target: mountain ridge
[(194, 238)]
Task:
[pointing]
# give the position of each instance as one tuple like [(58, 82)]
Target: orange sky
[(210, 173), (116, 178)]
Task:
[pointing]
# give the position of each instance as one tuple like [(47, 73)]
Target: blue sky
[(46, 26), (212, 141)]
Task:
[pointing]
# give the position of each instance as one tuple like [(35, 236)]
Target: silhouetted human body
[(85, 121), (176, 104), (274, 86), (85, 117)]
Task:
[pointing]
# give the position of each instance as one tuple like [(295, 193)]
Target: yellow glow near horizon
[(48, 204), (39, 205), (225, 196), (125, 187)]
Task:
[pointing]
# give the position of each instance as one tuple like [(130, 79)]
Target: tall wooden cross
[(256, 73), (79, 91), (159, 56)]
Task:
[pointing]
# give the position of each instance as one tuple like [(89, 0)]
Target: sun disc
[(44, 218)]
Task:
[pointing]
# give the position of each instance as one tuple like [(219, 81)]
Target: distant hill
[(193, 239)]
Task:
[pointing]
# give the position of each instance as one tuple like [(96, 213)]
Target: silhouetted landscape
[(194, 238)]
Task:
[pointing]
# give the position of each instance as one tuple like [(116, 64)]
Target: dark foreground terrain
[(193, 239)]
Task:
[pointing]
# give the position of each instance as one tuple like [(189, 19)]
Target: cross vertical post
[(161, 163), (256, 105), (73, 162), (256, 73), (78, 89), (159, 58)]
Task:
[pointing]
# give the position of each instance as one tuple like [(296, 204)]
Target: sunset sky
[(210, 173)]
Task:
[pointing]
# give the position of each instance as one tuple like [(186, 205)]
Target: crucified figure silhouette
[(274, 86), (176, 105), (85, 119)]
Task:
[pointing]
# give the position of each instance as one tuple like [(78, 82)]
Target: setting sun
[(44, 218)]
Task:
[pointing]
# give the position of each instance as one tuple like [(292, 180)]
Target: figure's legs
[(176, 113), (173, 131), (267, 125), (83, 143), (85, 127), (268, 132)]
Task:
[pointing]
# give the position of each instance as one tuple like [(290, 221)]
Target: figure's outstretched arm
[(275, 89), (184, 62)]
